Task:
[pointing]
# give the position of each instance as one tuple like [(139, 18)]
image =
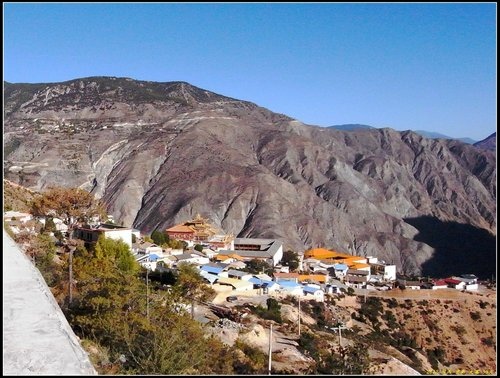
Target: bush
[(489, 341), (392, 303), (390, 319), (273, 311), (475, 315), (308, 343), (459, 330), (254, 361), (372, 308), (482, 304)]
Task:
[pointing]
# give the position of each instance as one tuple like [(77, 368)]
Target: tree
[(198, 247), (74, 206), (106, 279), (349, 360), (175, 244), (190, 284), (274, 309), (257, 266), (50, 226), (110, 310), (119, 252), (291, 259), (159, 237)]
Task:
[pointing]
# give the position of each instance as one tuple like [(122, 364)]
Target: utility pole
[(147, 293), (270, 347), (340, 327), (299, 316), (70, 276)]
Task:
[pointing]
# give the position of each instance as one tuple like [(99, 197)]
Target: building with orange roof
[(234, 256), (360, 266), (321, 278), (319, 253), (279, 277), (199, 231), (338, 262)]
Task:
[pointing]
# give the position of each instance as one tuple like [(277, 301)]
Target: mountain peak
[(489, 143), (95, 91)]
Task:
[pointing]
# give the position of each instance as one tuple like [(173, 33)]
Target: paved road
[(37, 339)]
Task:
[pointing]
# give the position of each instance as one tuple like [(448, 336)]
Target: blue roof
[(259, 281), (255, 281), (211, 269), (153, 257), (340, 266), (289, 284), (310, 289), (209, 277)]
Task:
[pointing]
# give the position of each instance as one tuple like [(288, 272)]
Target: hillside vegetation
[(16, 197)]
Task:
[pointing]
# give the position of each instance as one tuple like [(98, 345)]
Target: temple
[(200, 231)]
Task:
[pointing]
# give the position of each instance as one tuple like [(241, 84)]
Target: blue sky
[(407, 66)]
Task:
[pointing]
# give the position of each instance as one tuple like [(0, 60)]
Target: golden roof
[(199, 226), (180, 228)]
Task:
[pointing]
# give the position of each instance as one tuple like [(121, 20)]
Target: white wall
[(390, 272), (278, 256), (124, 235)]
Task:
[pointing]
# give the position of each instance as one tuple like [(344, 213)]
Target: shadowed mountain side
[(459, 248)]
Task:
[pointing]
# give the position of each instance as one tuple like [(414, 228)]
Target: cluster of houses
[(462, 282), (354, 271), (222, 260), (19, 221)]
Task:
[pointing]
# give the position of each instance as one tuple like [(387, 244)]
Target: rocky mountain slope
[(158, 153), (489, 143)]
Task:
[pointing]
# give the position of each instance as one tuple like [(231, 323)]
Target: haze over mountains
[(159, 153)]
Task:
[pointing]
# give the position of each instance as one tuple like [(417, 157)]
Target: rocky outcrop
[(159, 153)]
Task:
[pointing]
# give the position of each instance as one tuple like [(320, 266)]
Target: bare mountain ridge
[(488, 143), (158, 153)]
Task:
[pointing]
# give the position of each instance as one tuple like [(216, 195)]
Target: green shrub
[(475, 315)]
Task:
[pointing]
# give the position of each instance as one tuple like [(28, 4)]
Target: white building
[(91, 234), (269, 250), (314, 291)]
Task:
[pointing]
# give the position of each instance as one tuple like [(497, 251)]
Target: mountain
[(427, 134), (159, 153), (351, 127), (434, 135), (489, 143)]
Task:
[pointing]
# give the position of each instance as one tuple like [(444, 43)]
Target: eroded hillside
[(159, 153)]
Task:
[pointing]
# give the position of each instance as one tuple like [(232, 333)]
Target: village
[(222, 260), (249, 279)]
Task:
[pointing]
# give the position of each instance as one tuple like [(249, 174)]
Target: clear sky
[(415, 66)]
